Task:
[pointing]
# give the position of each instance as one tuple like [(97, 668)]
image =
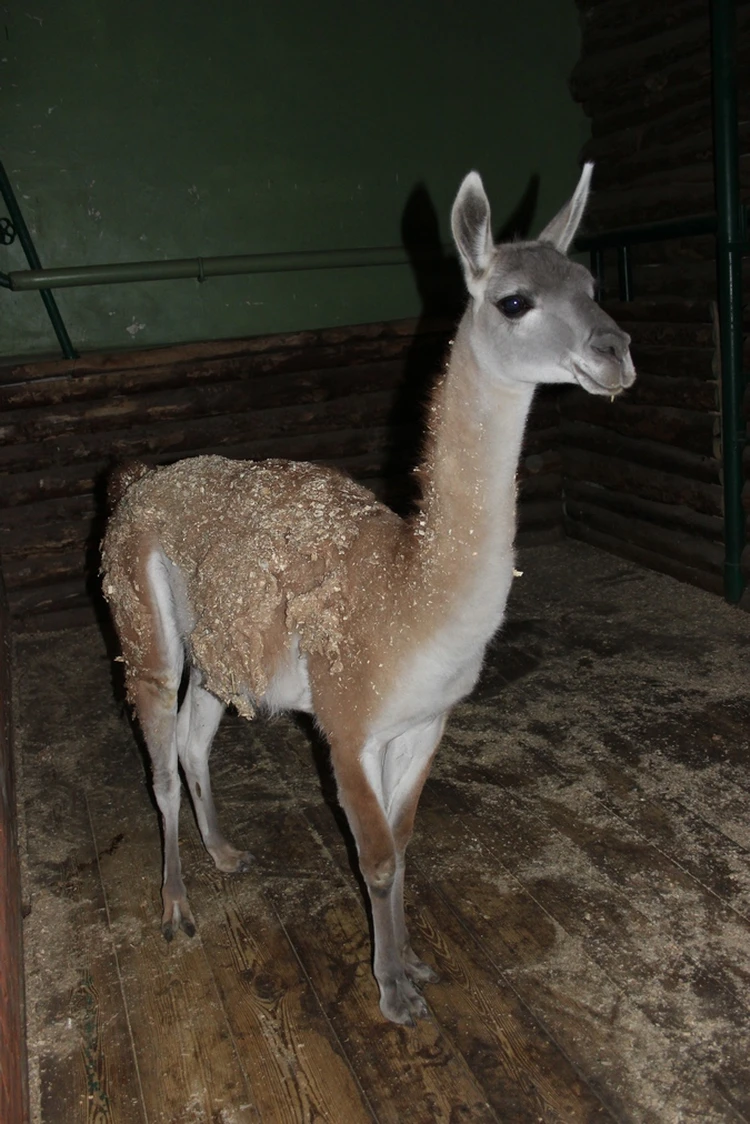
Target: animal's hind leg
[(154, 673), (197, 723)]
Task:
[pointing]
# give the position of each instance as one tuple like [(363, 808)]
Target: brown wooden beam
[(14, 1105)]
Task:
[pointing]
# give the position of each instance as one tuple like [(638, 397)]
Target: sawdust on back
[(264, 548)]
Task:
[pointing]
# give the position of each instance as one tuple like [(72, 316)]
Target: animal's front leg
[(400, 1001), (406, 768), (417, 970), (361, 798)]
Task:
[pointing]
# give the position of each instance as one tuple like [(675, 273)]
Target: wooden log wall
[(642, 477), (345, 396), (14, 1106)]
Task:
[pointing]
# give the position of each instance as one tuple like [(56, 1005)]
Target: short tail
[(122, 478)]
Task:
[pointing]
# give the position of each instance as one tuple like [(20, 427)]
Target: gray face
[(533, 314), (537, 310)]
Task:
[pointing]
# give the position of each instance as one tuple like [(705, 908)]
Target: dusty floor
[(580, 876)]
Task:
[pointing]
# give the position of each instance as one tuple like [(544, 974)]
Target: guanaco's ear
[(470, 223), (562, 230)]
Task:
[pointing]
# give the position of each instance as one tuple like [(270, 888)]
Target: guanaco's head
[(533, 314)]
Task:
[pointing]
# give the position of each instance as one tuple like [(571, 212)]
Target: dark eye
[(515, 306)]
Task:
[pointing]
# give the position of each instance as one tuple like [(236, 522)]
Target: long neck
[(464, 529)]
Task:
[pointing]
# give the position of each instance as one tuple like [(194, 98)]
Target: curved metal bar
[(32, 258)]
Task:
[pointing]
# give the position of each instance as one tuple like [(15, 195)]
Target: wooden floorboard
[(625, 909), (86, 1065), (187, 1055), (523, 1072), (580, 876), (405, 1072), (293, 1060)]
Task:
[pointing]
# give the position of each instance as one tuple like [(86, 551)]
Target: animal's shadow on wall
[(442, 293)]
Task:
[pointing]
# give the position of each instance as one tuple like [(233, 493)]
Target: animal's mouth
[(585, 377)]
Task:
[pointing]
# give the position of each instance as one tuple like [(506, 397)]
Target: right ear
[(472, 232), (562, 230)]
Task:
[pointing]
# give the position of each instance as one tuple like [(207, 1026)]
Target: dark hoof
[(401, 1002), (229, 860), (176, 916)]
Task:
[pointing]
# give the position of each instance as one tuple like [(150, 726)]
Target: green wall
[(157, 128)]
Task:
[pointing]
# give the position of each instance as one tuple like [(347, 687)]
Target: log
[(282, 425), (684, 83), (534, 486), (47, 568), (655, 337), (694, 152), (680, 517), (670, 50), (684, 429), (539, 464), (656, 74), (53, 620), (693, 551), (632, 205), (687, 281), (539, 513), (606, 23), (54, 538), (662, 310), (48, 513), (637, 479), (676, 126), (684, 252), (344, 345), (539, 536), (651, 457), (46, 383), (56, 597), (662, 564), (679, 53), (674, 361), (672, 391), (27, 487), (53, 417), (538, 441), (14, 1104), (339, 448)]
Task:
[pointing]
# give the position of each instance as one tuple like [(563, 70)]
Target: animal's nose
[(612, 345)]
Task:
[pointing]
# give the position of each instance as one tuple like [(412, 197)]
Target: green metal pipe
[(201, 268), (32, 257), (729, 249)]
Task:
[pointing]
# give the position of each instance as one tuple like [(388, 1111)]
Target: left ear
[(472, 233), (562, 230)]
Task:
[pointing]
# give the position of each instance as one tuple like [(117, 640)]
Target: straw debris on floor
[(580, 877)]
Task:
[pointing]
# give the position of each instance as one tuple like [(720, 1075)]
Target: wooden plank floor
[(580, 877)]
